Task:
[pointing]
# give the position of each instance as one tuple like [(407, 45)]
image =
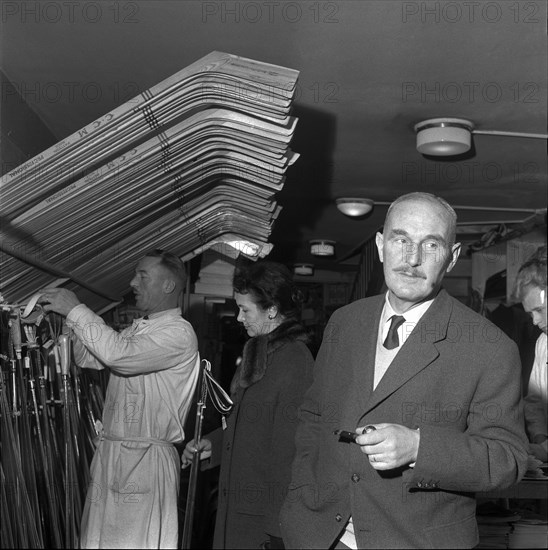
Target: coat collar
[(258, 350)]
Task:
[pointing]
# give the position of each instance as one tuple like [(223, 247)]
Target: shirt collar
[(171, 312), (412, 315)]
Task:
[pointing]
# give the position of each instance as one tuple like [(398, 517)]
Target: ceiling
[(368, 71)]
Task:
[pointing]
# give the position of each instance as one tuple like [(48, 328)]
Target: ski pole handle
[(64, 344)]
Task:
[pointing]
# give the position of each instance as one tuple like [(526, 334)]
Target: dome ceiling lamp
[(444, 136), (306, 270), (453, 136), (354, 206), (322, 247)]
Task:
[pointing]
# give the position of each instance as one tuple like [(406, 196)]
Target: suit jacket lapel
[(363, 352), (418, 352)]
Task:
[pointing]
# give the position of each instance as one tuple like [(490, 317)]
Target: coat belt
[(150, 440)]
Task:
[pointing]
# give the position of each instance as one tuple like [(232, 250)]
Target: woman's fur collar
[(258, 349)]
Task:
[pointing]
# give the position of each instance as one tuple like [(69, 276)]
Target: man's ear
[(455, 251), (169, 286), (379, 241)]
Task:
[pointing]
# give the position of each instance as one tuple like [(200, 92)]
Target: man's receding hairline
[(448, 215)]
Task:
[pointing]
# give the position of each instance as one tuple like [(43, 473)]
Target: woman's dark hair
[(270, 284)]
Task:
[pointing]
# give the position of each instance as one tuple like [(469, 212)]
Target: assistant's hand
[(60, 300), (204, 448), (389, 445)]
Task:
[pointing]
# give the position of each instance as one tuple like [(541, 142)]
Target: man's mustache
[(410, 272)]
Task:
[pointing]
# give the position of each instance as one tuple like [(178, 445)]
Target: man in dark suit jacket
[(434, 405)]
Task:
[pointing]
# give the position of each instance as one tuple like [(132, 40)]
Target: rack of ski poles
[(49, 412)]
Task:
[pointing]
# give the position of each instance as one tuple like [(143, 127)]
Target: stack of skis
[(193, 161)]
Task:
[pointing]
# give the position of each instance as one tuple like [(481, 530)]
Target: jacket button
[(338, 517), (355, 478)]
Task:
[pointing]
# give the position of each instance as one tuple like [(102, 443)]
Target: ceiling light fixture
[(444, 136), (303, 269), (322, 247), (452, 136), (354, 206)]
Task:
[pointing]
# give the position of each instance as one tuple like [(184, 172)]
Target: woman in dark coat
[(257, 447)]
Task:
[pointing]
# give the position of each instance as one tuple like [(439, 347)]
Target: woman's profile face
[(252, 316)]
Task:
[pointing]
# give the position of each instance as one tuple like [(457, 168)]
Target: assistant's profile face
[(416, 252), (148, 285)]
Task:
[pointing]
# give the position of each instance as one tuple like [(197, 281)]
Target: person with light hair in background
[(530, 289)]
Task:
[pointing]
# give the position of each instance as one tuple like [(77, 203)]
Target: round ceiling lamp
[(444, 136), (354, 206), (303, 269), (322, 248)]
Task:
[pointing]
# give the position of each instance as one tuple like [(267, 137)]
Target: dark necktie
[(392, 341)]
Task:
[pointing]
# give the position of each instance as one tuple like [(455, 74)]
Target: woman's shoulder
[(292, 354)]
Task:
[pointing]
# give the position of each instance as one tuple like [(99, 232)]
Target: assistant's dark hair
[(270, 284), (531, 273), (172, 263)]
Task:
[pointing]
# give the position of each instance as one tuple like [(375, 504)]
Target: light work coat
[(154, 367)]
